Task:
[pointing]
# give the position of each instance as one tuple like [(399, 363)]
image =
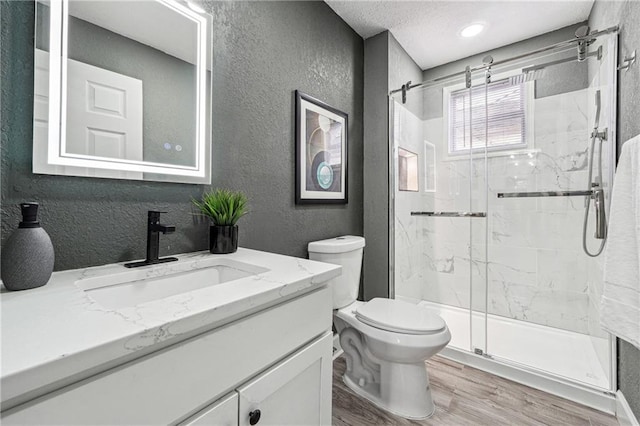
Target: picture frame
[(321, 140)]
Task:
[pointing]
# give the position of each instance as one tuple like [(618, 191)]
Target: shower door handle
[(450, 214), (588, 192)]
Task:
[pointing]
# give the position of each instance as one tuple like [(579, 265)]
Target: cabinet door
[(296, 391), (223, 412)]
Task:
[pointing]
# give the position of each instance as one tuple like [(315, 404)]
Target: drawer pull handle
[(254, 417)]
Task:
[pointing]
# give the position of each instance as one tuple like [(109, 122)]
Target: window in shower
[(507, 113)]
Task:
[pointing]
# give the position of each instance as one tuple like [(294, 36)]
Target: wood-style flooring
[(466, 396)]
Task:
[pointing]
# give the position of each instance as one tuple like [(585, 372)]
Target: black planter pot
[(223, 239)]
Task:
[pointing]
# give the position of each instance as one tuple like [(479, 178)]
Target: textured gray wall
[(376, 167), (263, 51), (627, 15), (387, 66)]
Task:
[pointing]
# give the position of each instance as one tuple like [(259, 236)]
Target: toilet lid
[(398, 316)]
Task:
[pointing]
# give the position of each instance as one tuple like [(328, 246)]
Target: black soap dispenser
[(27, 256)]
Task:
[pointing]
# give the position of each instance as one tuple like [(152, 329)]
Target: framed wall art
[(321, 152)]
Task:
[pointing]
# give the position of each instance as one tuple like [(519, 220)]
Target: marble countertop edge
[(131, 332)]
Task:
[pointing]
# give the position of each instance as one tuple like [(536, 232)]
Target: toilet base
[(403, 390)]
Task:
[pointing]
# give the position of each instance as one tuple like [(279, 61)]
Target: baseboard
[(623, 411)]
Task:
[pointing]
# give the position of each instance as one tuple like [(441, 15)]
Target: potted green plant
[(224, 208)]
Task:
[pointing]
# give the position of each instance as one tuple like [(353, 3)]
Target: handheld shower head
[(597, 122)]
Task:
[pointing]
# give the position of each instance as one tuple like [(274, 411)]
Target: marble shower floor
[(466, 396)]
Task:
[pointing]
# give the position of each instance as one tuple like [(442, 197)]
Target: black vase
[(223, 239)]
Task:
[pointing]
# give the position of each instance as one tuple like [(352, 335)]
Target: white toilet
[(385, 341)]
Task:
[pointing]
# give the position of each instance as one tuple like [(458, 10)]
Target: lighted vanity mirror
[(123, 90)]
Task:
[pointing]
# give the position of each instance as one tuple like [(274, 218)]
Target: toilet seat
[(399, 317), (405, 341)]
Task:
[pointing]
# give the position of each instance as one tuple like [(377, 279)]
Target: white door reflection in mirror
[(41, 100), (104, 113)]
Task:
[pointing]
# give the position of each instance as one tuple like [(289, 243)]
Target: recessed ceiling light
[(472, 30)]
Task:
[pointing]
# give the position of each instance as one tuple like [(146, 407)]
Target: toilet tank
[(347, 252)]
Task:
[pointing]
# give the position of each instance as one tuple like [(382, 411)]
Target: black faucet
[(154, 228)]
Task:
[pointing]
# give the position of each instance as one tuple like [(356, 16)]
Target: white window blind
[(505, 115)]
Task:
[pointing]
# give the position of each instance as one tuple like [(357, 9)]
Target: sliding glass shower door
[(440, 204), (543, 288), (490, 172)]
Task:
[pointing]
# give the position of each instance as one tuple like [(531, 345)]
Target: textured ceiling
[(429, 29)]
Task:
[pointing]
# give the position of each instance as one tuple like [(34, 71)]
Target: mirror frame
[(56, 143)]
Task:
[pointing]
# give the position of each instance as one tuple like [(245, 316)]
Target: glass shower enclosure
[(490, 186)]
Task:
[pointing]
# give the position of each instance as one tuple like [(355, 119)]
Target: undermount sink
[(134, 287)]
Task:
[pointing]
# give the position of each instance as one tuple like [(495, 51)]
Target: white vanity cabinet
[(296, 391), (292, 392), (221, 413), (276, 360)]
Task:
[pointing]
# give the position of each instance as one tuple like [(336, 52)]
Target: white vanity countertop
[(57, 331)]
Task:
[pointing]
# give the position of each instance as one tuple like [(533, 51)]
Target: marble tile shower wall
[(532, 264), (410, 260)]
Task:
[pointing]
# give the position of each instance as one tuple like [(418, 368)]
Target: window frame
[(492, 151)]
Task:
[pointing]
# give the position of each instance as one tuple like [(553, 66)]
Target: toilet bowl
[(385, 341), (387, 367)]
